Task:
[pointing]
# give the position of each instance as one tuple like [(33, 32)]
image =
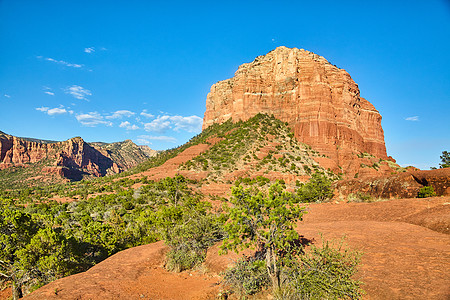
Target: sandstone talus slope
[(320, 102)]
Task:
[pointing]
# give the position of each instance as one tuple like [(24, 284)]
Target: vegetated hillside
[(125, 154), (261, 146), (25, 161)]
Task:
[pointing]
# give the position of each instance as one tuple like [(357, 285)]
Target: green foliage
[(40, 242), (445, 160), (248, 276), (324, 272), (187, 225), (317, 189), (360, 197), (31, 253), (426, 191), (262, 220)]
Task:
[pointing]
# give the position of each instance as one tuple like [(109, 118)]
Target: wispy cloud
[(144, 113), (56, 111), (127, 125), (6, 96), (48, 90), (146, 139), (89, 49), (163, 123), (53, 111), (121, 114), (92, 119), (61, 62), (78, 92), (42, 108), (415, 118)]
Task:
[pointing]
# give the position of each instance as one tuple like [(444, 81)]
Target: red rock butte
[(319, 101)]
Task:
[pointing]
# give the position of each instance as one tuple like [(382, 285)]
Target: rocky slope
[(71, 159), (320, 102), (401, 185)]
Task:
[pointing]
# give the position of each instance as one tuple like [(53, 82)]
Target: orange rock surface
[(320, 102)]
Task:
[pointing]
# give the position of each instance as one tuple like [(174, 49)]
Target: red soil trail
[(170, 167), (135, 273)]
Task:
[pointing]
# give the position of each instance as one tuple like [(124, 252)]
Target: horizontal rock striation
[(73, 158), (320, 102)]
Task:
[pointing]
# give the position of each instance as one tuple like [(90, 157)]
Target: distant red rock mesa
[(320, 101)]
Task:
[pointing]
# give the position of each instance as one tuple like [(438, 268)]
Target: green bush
[(426, 191), (360, 197), (183, 259), (248, 276), (317, 189), (324, 272)]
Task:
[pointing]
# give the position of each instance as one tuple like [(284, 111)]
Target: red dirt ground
[(401, 260), (170, 167)]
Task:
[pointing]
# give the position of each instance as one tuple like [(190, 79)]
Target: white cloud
[(7, 96), (415, 118), (190, 124), (160, 124), (92, 119), (127, 125), (52, 111), (163, 123), (144, 113), (120, 114), (78, 92), (56, 111), (145, 139), (89, 49), (61, 62), (49, 93)]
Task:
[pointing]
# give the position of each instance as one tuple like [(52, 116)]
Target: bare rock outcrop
[(320, 102), (402, 185), (70, 159)]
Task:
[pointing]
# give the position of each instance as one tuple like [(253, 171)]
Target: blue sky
[(141, 70)]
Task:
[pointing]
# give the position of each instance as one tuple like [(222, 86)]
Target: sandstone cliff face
[(318, 100), (71, 159)]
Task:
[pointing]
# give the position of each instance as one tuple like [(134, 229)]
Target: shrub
[(426, 191), (318, 189), (183, 259), (321, 273), (248, 276), (360, 197)]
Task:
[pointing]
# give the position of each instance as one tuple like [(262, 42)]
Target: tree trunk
[(272, 268), (16, 291)]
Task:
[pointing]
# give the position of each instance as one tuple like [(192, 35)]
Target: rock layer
[(320, 102), (402, 185), (71, 159)]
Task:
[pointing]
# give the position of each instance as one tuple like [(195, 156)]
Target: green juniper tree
[(265, 221), (445, 160)]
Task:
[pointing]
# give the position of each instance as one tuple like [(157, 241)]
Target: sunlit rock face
[(320, 102)]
